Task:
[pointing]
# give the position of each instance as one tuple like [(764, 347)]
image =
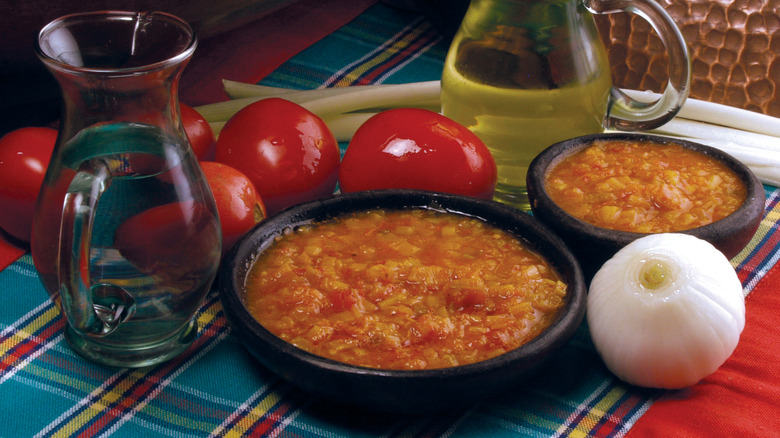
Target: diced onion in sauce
[(407, 289), (644, 187)]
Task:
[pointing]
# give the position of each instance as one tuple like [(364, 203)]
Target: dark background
[(29, 96)]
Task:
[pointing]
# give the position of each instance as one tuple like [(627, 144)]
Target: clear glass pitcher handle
[(91, 310), (628, 114)]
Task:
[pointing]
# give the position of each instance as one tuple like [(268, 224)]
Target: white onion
[(666, 311)]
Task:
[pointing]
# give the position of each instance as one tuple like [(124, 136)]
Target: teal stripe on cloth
[(217, 389), (405, 46)]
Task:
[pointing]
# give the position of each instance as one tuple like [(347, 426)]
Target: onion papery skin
[(673, 336)]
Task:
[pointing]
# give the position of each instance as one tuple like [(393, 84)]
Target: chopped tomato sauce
[(644, 187), (406, 289)]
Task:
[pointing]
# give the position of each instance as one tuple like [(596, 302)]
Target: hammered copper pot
[(735, 51)]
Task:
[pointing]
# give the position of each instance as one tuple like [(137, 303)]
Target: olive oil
[(525, 86)]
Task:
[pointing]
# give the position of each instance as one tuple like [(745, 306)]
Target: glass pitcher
[(525, 74), (126, 232)]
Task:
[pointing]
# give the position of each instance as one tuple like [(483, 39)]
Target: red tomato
[(417, 149), (24, 157), (238, 203), (287, 151), (198, 132)]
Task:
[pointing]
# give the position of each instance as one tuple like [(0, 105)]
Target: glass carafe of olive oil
[(525, 74)]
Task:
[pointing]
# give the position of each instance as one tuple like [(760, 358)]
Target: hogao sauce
[(644, 187), (403, 289)]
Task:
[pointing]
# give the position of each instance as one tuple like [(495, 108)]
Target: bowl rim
[(554, 154), (236, 264)]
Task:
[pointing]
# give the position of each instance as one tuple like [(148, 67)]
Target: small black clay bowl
[(401, 390), (595, 245)]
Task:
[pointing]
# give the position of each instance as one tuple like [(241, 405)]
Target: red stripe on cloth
[(31, 344), (613, 423), (9, 252), (253, 51), (118, 400), (742, 398), (751, 266), (270, 420), (423, 40)]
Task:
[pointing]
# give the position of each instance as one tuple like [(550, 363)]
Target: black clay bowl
[(595, 245), (401, 390)]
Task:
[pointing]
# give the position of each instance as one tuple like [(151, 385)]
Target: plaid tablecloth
[(217, 389)]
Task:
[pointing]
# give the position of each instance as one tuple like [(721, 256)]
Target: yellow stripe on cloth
[(128, 391)]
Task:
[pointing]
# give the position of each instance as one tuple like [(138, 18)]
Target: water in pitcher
[(153, 234)]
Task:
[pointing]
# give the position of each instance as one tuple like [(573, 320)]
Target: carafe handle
[(628, 114), (91, 310)]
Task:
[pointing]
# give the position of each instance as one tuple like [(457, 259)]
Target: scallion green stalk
[(718, 114), (331, 102), (751, 137)]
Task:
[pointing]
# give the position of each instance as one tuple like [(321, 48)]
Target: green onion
[(751, 137), (718, 114), (238, 90), (329, 103), (344, 126)]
